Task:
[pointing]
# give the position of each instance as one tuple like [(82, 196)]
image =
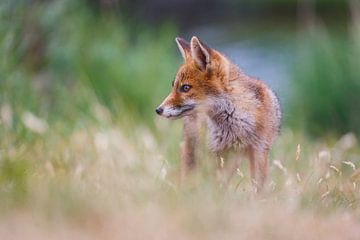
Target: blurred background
[(80, 80), (59, 55)]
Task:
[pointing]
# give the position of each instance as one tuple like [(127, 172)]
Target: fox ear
[(200, 53), (184, 47)]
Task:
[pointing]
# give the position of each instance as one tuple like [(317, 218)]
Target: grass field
[(104, 181)]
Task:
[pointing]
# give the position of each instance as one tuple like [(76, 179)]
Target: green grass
[(326, 83), (64, 48)]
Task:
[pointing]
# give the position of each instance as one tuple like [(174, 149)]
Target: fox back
[(241, 111)]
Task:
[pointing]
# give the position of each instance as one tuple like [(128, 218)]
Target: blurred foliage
[(59, 56), (13, 179), (326, 81)]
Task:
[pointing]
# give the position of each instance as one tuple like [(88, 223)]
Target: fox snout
[(175, 111), (159, 110)]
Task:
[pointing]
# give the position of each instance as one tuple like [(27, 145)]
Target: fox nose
[(159, 110)]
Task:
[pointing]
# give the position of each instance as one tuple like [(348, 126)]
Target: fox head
[(200, 78)]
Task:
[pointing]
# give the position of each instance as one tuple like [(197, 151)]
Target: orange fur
[(241, 111)]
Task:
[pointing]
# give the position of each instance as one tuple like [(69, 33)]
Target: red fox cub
[(243, 113)]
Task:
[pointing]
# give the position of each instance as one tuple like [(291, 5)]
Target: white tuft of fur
[(229, 127)]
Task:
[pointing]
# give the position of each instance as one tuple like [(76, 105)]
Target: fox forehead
[(187, 74)]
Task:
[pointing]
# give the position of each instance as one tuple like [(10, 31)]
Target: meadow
[(83, 156)]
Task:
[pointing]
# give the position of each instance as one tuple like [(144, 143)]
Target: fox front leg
[(259, 167), (188, 151), (228, 163)]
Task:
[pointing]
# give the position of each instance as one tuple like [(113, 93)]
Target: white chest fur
[(230, 127)]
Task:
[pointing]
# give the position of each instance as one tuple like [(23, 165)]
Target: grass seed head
[(298, 152)]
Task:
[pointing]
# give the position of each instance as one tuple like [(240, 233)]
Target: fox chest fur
[(242, 117), (229, 127)]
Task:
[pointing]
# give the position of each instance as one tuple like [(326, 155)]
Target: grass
[(103, 182), (65, 47), (326, 81)]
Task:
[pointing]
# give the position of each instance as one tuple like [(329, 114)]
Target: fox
[(242, 113)]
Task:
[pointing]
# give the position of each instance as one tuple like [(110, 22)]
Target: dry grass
[(117, 181)]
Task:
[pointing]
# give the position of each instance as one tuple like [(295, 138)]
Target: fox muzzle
[(174, 112)]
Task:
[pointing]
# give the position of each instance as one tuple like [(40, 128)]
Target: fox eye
[(185, 88)]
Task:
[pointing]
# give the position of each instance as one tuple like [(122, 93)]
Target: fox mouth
[(178, 112)]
